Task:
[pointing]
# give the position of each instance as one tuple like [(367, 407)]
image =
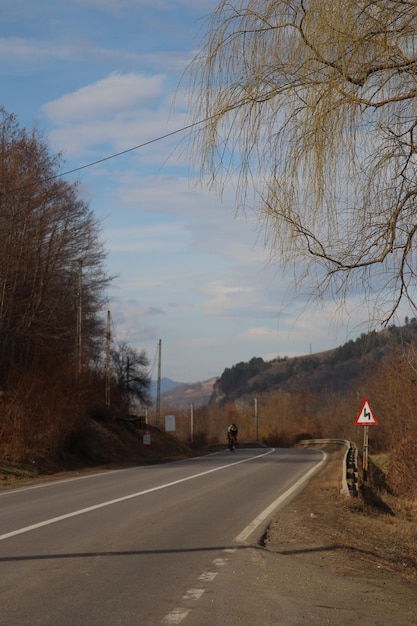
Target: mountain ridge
[(329, 371)]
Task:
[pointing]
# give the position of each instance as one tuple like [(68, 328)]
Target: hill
[(167, 385), (330, 371), (182, 396)]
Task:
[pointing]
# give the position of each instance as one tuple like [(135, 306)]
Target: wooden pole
[(107, 364), (79, 316), (158, 389)]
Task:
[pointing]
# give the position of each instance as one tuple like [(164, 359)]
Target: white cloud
[(120, 111), (239, 298), (105, 98), (133, 322), (32, 51), (258, 333)]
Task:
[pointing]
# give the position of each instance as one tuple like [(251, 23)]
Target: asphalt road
[(148, 545)]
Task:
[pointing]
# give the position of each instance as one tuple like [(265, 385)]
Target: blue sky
[(99, 77)]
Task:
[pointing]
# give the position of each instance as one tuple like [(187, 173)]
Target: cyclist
[(232, 435)]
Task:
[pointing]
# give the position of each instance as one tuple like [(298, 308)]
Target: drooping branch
[(310, 107)]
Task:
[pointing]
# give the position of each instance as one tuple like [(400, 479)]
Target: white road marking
[(88, 509), (207, 577), (219, 562), (250, 528), (193, 594), (176, 616)]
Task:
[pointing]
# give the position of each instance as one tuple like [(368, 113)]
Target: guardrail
[(350, 464), (351, 469)]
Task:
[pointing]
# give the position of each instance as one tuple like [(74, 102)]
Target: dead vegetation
[(99, 446), (375, 531)]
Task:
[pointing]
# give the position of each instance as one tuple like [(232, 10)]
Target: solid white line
[(88, 509), (60, 481), (250, 528)]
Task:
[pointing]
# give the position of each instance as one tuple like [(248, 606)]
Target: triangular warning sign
[(366, 417)]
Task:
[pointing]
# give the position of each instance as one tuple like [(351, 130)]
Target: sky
[(99, 77)]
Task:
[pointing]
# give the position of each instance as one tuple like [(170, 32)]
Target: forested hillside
[(337, 370)]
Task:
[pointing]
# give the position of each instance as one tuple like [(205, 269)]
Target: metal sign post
[(365, 453)]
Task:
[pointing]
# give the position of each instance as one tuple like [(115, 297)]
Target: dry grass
[(376, 530), (96, 448)]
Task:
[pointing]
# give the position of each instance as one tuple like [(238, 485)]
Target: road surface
[(148, 545)]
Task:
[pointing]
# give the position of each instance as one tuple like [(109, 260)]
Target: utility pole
[(256, 420), (107, 363), (79, 315), (158, 388), (128, 381)]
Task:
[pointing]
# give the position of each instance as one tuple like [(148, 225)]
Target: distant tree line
[(239, 374), (373, 341)]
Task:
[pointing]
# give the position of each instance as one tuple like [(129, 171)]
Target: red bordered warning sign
[(366, 417)]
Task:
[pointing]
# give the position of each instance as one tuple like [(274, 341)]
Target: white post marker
[(366, 418)]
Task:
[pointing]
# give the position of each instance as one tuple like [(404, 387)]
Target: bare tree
[(45, 231), (313, 103), (130, 372)]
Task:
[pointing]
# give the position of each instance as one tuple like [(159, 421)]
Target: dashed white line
[(219, 562), (207, 577), (176, 616), (193, 594)]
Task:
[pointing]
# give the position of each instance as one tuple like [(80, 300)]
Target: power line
[(117, 154), (111, 156), (146, 143), (228, 109)]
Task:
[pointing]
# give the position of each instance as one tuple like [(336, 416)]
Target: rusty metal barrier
[(350, 484)]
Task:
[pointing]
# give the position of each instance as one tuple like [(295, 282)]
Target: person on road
[(232, 435)]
